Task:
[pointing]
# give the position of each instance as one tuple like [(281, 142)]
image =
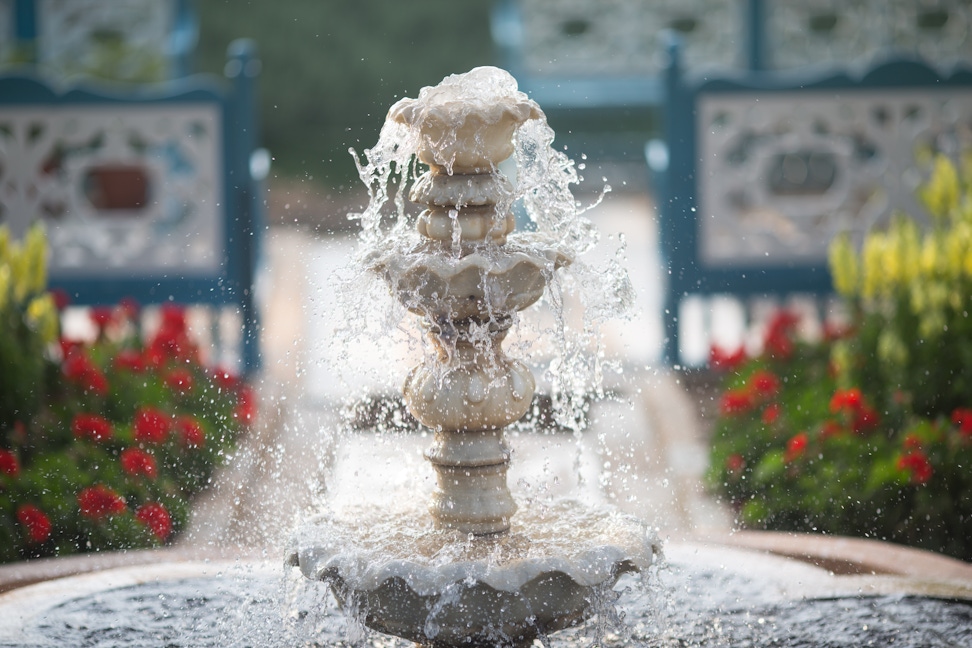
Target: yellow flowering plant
[(911, 290)]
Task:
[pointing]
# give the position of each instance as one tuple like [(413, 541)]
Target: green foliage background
[(332, 68)]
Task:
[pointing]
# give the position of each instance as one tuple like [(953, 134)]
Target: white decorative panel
[(621, 37), (124, 40), (131, 188), (815, 32), (779, 177)]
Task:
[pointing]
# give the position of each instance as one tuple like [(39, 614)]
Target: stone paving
[(644, 450)]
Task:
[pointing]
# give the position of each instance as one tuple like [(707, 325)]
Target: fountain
[(472, 573), (471, 569)]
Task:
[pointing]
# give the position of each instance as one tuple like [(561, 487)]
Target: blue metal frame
[(679, 183), (242, 207)]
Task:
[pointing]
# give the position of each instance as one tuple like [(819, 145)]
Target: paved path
[(643, 451)]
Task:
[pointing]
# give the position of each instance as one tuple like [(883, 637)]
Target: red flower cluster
[(171, 341), (962, 417), (136, 461), (79, 369), (102, 317), (179, 380), (190, 432), (151, 425), (130, 360), (9, 465), (761, 386), (38, 524), (735, 463), (851, 404), (723, 360), (99, 501), (156, 518), (796, 447), (916, 463), (778, 340), (91, 427)]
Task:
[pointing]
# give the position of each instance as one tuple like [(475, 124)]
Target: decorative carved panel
[(621, 37), (123, 189), (123, 40), (779, 177), (806, 32)]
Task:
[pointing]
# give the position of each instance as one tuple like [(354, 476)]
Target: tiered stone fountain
[(506, 579)]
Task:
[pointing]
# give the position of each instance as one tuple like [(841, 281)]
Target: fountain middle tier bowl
[(485, 282), (440, 587)]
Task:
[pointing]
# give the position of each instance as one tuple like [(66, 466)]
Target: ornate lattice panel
[(620, 37), (779, 177), (124, 40), (807, 32), (124, 189)]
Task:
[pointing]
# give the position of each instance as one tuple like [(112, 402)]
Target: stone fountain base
[(554, 569), (706, 594)]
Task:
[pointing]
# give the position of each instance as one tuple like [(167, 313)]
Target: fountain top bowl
[(466, 123)]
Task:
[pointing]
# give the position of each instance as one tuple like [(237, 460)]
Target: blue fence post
[(756, 26), (242, 68), (671, 197)]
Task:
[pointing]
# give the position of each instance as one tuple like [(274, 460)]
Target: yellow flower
[(874, 255), (35, 251), (941, 194), (844, 265), (43, 318)]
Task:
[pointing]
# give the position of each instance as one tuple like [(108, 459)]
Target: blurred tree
[(332, 68)]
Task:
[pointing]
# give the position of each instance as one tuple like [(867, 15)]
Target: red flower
[(225, 379), (831, 429), (246, 408), (171, 341), (962, 417), (61, 298), (190, 432), (136, 461), (795, 447), (101, 316), (8, 463), (151, 425), (917, 465), (179, 380), (99, 501), (778, 341), (723, 360), (912, 442), (91, 426), (771, 413), (865, 418), (833, 331), (735, 463), (37, 523), (764, 383), (79, 369), (846, 400), (130, 360), (156, 518), (736, 401)]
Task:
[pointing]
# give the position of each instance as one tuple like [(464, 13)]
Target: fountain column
[(468, 390)]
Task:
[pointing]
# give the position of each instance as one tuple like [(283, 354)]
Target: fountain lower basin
[(439, 586), (704, 595)]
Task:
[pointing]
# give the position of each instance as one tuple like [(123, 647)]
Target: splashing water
[(566, 334)]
